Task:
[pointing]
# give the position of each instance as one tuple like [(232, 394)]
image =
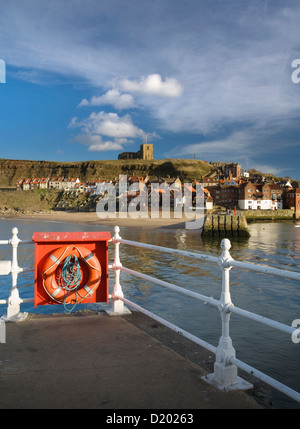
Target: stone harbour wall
[(222, 224)]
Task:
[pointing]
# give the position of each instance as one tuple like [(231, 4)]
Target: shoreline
[(91, 218)]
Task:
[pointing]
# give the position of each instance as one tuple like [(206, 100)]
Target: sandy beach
[(91, 218)]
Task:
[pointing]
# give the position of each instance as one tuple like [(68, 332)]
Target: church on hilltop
[(145, 153)]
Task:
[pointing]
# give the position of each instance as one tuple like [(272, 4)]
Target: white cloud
[(101, 124), (112, 97), (234, 65), (248, 147), (153, 85), (206, 69), (227, 148), (108, 124), (105, 146), (95, 143), (267, 169)]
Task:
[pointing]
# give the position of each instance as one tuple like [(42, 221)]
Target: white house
[(258, 196), (72, 181)]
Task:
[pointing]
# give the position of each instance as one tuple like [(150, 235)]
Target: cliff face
[(12, 170), (187, 170)]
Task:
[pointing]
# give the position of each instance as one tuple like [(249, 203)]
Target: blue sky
[(206, 79)]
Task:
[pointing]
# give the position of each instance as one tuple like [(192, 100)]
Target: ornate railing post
[(225, 375), (117, 307), (14, 301)]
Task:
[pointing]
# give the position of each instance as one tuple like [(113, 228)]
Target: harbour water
[(272, 244)]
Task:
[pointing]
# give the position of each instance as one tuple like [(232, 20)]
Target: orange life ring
[(57, 292)]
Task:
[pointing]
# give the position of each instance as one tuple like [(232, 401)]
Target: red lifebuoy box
[(91, 251)]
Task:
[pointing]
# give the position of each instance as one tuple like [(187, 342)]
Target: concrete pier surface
[(90, 360)]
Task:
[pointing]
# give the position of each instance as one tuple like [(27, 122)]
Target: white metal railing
[(225, 375), (12, 267)]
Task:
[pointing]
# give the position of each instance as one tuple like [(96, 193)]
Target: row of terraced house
[(230, 192), (60, 183), (135, 186)]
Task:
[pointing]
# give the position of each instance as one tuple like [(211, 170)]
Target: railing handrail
[(231, 262), (226, 364), (293, 275), (4, 242), (185, 253), (212, 301), (226, 262)]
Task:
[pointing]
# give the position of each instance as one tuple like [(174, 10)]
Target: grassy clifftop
[(187, 170), (41, 200), (38, 200)]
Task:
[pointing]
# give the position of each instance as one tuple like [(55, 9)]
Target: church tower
[(146, 150)]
